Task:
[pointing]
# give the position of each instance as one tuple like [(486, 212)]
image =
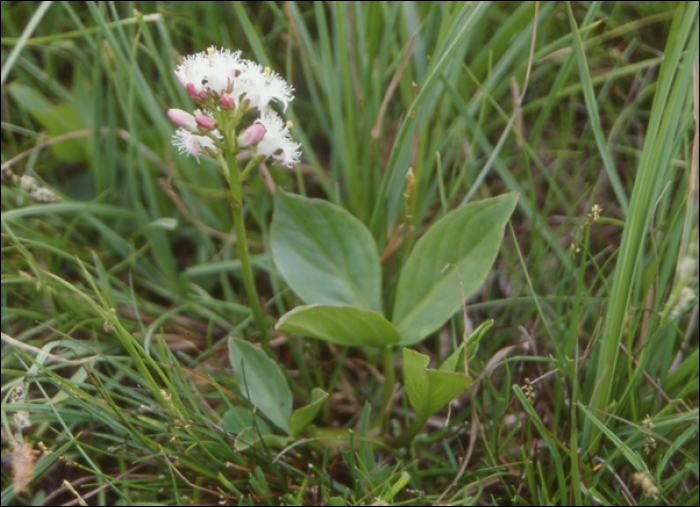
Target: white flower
[(212, 69), (277, 139), (192, 144), (259, 86)]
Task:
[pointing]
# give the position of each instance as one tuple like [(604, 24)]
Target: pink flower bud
[(192, 90), (206, 122), (227, 101), (251, 135), (183, 118)]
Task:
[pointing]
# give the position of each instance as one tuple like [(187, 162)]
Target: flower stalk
[(236, 200)]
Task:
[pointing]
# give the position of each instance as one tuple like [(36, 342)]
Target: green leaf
[(429, 292), (261, 382), (326, 255), (59, 119), (342, 325), (64, 119), (415, 375), (475, 337), (429, 390), (31, 99), (453, 363), (444, 386), (303, 416), (248, 438), (238, 418), (455, 360)]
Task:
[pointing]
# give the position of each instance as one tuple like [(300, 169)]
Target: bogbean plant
[(228, 90), (330, 260)]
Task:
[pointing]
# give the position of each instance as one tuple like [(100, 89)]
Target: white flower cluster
[(222, 83)]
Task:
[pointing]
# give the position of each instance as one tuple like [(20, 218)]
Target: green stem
[(389, 381), (236, 200)]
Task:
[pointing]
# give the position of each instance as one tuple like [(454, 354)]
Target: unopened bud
[(227, 101), (194, 93), (183, 119), (251, 135), (206, 122)]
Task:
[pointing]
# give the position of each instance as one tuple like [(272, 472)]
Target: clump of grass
[(119, 292)]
